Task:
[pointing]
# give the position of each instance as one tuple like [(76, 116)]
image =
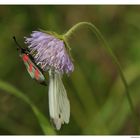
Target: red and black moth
[(34, 70)]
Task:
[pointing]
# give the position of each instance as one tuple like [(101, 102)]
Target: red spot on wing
[(30, 67), (36, 74), (25, 57)]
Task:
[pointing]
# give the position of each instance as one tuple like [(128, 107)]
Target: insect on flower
[(34, 70), (52, 57)]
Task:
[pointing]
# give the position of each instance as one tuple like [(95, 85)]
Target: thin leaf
[(44, 123)]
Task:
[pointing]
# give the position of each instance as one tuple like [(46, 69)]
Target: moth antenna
[(16, 42)]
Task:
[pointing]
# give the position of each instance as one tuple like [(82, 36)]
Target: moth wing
[(34, 72)]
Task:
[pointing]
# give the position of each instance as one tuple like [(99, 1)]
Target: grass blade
[(44, 123)]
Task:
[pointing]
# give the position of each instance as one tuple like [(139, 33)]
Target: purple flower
[(50, 55), (50, 52)]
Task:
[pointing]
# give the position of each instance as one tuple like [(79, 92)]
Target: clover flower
[(51, 56)]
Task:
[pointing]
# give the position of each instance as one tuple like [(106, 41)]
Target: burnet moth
[(34, 70)]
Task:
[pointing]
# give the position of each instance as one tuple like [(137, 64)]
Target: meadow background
[(97, 95)]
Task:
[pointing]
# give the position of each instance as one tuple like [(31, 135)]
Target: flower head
[(50, 55), (50, 52)]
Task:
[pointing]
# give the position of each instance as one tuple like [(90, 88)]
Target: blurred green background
[(97, 95)]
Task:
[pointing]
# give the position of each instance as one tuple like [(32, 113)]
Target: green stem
[(80, 25)]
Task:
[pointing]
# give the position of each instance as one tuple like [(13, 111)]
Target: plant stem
[(80, 25)]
